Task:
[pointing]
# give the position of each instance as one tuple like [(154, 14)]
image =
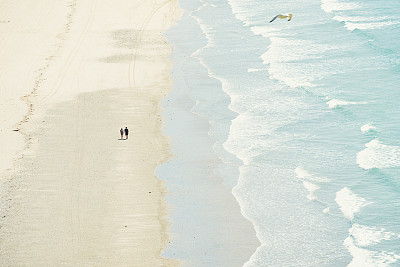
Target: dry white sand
[(72, 73)]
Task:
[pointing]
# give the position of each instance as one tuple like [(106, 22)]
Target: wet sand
[(84, 197)]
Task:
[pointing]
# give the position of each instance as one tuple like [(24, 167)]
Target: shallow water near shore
[(207, 227), (304, 117)]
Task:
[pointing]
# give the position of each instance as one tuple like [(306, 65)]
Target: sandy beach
[(72, 74), (253, 141)]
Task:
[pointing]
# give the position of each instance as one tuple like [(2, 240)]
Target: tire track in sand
[(72, 55), (132, 63), (31, 98)]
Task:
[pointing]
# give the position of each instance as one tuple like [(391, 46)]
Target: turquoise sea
[(300, 119)]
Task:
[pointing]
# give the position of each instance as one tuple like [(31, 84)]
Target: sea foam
[(363, 257), (365, 236), (349, 202), (309, 181), (369, 25), (285, 55), (311, 189), (303, 174), (334, 103), (367, 128), (334, 5), (378, 155), (360, 18)]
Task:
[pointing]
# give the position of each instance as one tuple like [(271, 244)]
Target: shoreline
[(78, 192), (209, 228)]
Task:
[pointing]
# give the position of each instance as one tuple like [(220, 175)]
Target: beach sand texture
[(72, 73)]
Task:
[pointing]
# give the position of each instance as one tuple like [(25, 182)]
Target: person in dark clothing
[(122, 133), (126, 132)]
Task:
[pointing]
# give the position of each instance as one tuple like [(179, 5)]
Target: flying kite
[(282, 16)]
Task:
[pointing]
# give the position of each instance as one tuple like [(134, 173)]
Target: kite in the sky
[(282, 16)]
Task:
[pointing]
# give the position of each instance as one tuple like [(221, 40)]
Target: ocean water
[(304, 119)]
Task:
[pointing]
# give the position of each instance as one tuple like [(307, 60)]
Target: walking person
[(126, 132), (122, 134)]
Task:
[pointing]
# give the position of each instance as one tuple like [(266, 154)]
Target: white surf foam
[(284, 57), (361, 18), (365, 236), (283, 49), (240, 12), (334, 103), (301, 173), (264, 31), (254, 70), (305, 175), (363, 257), (367, 127), (311, 189), (334, 5), (357, 22), (309, 181), (369, 25), (349, 202), (378, 155)]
